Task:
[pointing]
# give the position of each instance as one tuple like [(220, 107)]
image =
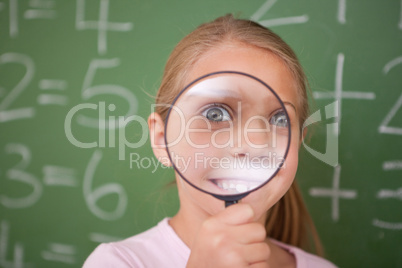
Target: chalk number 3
[(18, 174)]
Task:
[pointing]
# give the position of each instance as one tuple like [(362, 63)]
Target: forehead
[(252, 60), (231, 88)]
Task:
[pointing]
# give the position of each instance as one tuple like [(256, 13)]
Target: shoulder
[(305, 259), (152, 248), (112, 255)]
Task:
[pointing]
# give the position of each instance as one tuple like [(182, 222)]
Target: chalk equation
[(93, 98)]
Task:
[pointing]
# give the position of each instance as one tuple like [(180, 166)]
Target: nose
[(252, 139)]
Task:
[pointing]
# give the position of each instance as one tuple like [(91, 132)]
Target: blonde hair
[(288, 220)]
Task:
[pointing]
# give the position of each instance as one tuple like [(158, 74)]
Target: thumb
[(236, 214)]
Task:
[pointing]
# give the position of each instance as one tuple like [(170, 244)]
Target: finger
[(256, 253), (260, 265), (250, 233), (236, 214)]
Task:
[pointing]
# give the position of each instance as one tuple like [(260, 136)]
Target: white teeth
[(241, 188), (225, 186), (235, 186)]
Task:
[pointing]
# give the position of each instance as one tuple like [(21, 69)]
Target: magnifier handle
[(228, 203)]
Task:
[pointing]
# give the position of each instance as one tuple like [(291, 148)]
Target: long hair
[(288, 220)]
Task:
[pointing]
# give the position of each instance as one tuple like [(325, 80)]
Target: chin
[(267, 196)]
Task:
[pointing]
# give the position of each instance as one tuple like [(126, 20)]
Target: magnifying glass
[(227, 134)]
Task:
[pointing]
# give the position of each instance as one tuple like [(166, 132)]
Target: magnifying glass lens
[(227, 134)]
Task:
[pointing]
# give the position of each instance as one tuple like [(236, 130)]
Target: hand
[(230, 239)]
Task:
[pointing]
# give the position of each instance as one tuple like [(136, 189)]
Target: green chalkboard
[(70, 175)]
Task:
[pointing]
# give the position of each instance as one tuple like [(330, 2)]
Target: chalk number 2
[(7, 114), (384, 127)]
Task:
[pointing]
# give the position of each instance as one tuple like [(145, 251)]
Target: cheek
[(288, 172), (264, 198), (286, 175)]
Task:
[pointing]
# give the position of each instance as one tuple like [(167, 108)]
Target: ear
[(157, 136), (303, 135)]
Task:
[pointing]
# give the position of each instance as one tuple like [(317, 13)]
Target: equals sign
[(40, 9), (103, 238), (52, 99), (60, 253), (392, 165), (59, 176), (386, 193)]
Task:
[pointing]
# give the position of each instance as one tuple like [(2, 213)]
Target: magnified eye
[(279, 119), (216, 114)]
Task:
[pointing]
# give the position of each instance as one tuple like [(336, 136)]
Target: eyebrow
[(291, 104), (213, 93)]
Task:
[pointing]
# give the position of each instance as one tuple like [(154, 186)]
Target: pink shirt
[(161, 247)]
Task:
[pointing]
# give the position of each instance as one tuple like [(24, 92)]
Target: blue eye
[(279, 119), (216, 114)]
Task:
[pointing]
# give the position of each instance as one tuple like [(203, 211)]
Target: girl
[(270, 225)]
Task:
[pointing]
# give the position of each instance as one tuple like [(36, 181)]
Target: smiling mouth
[(235, 186)]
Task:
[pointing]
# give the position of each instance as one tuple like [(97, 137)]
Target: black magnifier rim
[(235, 197)]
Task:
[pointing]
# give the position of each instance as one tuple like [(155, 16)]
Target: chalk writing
[(103, 238), (7, 114), (339, 94), (46, 68), (386, 193), (335, 193), (93, 195), (40, 9), (387, 225), (342, 11), (384, 127), (58, 252), (13, 7), (52, 99), (392, 165), (18, 256), (102, 25), (18, 174), (89, 91), (275, 22), (59, 176), (400, 17)]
